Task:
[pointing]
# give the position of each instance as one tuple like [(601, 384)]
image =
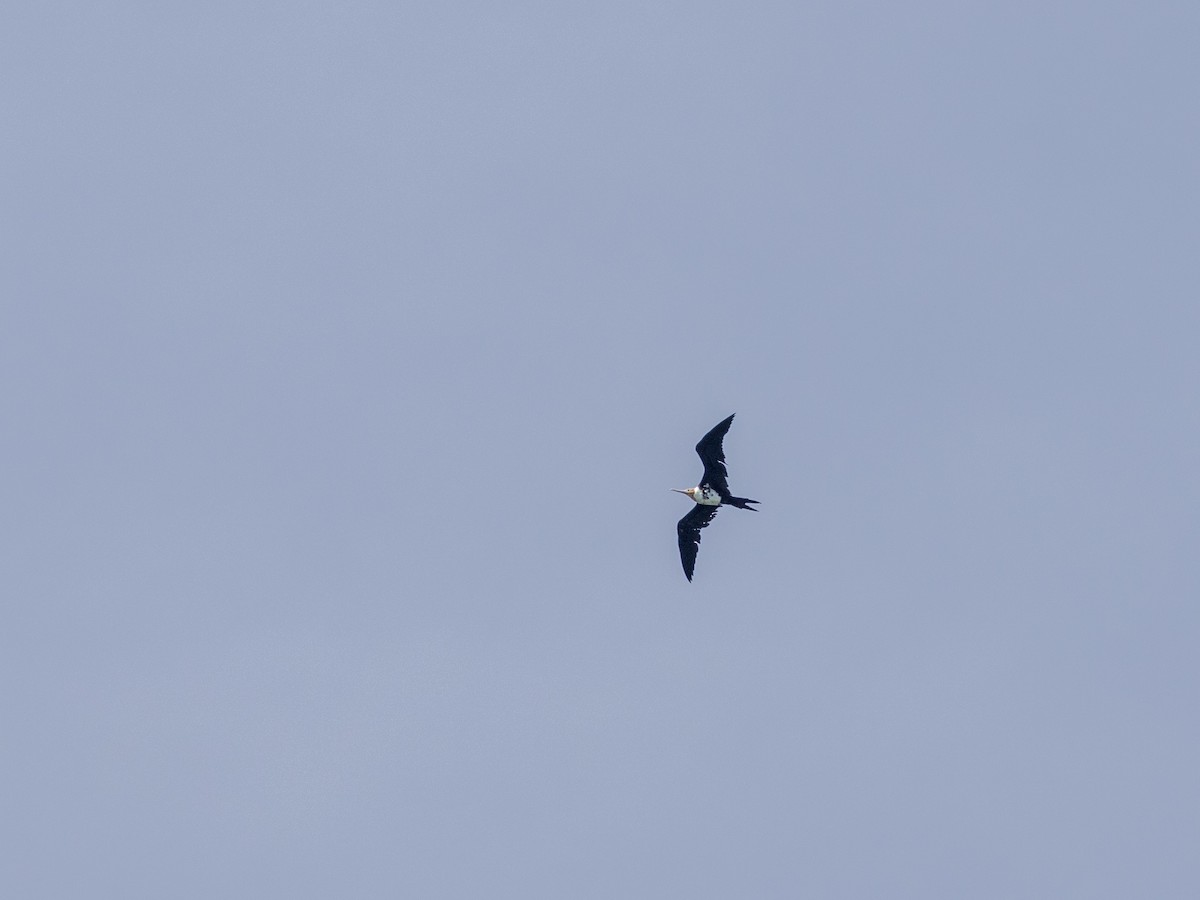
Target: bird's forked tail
[(742, 503)]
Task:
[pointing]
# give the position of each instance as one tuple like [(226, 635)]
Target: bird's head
[(691, 492)]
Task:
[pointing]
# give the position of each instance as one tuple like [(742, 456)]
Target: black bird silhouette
[(711, 494)]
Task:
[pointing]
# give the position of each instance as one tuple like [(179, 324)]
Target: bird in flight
[(710, 494)]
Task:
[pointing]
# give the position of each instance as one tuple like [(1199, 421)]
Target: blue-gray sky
[(348, 352)]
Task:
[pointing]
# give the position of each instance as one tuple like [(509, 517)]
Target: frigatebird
[(710, 494)]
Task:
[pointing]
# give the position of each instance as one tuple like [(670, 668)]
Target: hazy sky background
[(348, 352)]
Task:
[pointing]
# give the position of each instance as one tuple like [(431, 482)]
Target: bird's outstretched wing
[(712, 454), (689, 535)]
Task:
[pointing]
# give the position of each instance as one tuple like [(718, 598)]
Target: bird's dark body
[(716, 478)]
